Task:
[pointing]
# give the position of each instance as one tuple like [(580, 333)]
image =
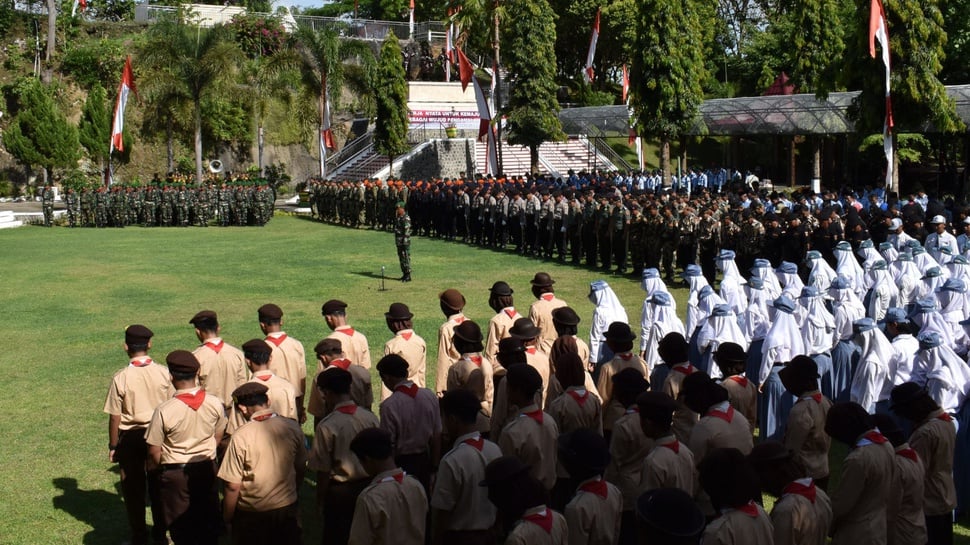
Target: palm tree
[(190, 62), (327, 63)]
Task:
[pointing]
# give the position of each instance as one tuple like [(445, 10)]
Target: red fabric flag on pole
[(879, 32), (626, 84), (411, 20), (118, 123), (465, 69), (588, 71), (78, 3), (326, 132)]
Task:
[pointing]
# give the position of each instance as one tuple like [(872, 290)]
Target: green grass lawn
[(68, 295)]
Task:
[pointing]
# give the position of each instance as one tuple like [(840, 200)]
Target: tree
[(528, 42), (391, 127), (189, 62), (94, 129), (667, 71), (40, 133)]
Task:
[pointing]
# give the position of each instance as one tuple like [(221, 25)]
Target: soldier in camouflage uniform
[(225, 205), (118, 207), (620, 226), (402, 238), (47, 202), (752, 240), (531, 227), (560, 211), (241, 211), (638, 241), (101, 207), (652, 229), (590, 213), (574, 228), (687, 239), (148, 206), (707, 248), (71, 201), (515, 219), (730, 234), (133, 205), (603, 231), (669, 235), (88, 197)]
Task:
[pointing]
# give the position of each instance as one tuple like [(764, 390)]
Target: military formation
[(169, 203)]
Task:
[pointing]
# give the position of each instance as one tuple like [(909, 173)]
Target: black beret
[(510, 345), (565, 316), (393, 365), (332, 306), (503, 469), (182, 361), (328, 346), (137, 334), (468, 331), (524, 378), (270, 311), (256, 346), (501, 288), (730, 352), (205, 317), (656, 406), (398, 311), (619, 331), (586, 449), (249, 389), (335, 379)]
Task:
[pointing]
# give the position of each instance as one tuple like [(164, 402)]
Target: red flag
[(588, 71), (78, 3), (118, 124), (879, 31), (626, 84), (326, 133), (465, 69)]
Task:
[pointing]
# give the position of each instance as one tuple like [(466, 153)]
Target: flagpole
[(497, 96)]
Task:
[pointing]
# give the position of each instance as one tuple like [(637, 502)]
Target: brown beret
[(256, 346), (270, 311), (328, 346), (468, 331), (137, 334), (452, 299), (182, 361), (398, 311), (249, 389), (204, 316), (331, 306), (542, 280)]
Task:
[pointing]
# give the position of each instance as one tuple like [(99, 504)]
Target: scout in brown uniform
[(628, 445), (222, 367), (904, 512), (412, 417), (511, 352), (282, 394), (288, 360), (805, 432), (182, 439), (354, 342), (670, 464), (576, 408), (734, 494), (859, 504), (528, 333), (134, 393), (394, 508), (330, 354), (406, 343), (802, 514), (262, 471), (541, 311), (673, 351), (566, 322), (472, 372), (933, 438), (452, 302), (522, 509), (340, 477), (721, 426), (619, 339), (742, 393), (500, 300), (669, 516), (593, 514), (531, 436), (461, 512)]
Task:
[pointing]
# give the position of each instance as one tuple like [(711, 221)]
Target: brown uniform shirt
[(532, 438), (391, 510), (684, 418), (805, 434), (540, 362), (186, 435), (802, 515), (288, 359), (457, 487), (541, 315), (354, 345), (473, 372), (410, 346), (934, 440), (628, 446), (360, 387), (859, 504), (263, 456), (721, 427), (222, 368), (582, 349), (594, 513), (498, 329), (670, 464), (528, 531), (447, 354), (907, 523), (575, 409), (619, 362), (743, 396), (136, 390), (411, 421), (738, 527), (282, 399), (331, 452)]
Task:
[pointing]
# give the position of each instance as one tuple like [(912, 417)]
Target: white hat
[(937, 219), (896, 223), (966, 221)]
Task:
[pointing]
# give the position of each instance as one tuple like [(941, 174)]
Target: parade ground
[(68, 294)]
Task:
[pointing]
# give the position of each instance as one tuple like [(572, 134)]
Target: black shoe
[(406, 278)]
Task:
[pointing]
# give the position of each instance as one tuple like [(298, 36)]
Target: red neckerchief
[(689, 370), (277, 341), (342, 363), (908, 453), (399, 477), (633, 410), (264, 377), (407, 335), (411, 391), (580, 398), (875, 437), (726, 416), (625, 357), (750, 509), (817, 397), (477, 360), (597, 487), (535, 415), (262, 417), (808, 492), (531, 350), (142, 363), (548, 296), (348, 331), (459, 319), (673, 445), (475, 442), (216, 347), (347, 409), (742, 381), (510, 312), (542, 520), (945, 417), (194, 401)]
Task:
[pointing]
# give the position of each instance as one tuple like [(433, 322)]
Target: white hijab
[(732, 285), (846, 308), (721, 327), (663, 320), (818, 324), (846, 265), (756, 318), (608, 310), (942, 372), (821, 274), (783, 340), (762, 269)]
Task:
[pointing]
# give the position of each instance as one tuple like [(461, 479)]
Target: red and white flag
[(588, 70), (625, 84), (486, 129), (83, 4), (465, 69), (879, 31), (326, 132), (118, 123), (411, 20)]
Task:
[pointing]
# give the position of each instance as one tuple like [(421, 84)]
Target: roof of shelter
[(800, 114)]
